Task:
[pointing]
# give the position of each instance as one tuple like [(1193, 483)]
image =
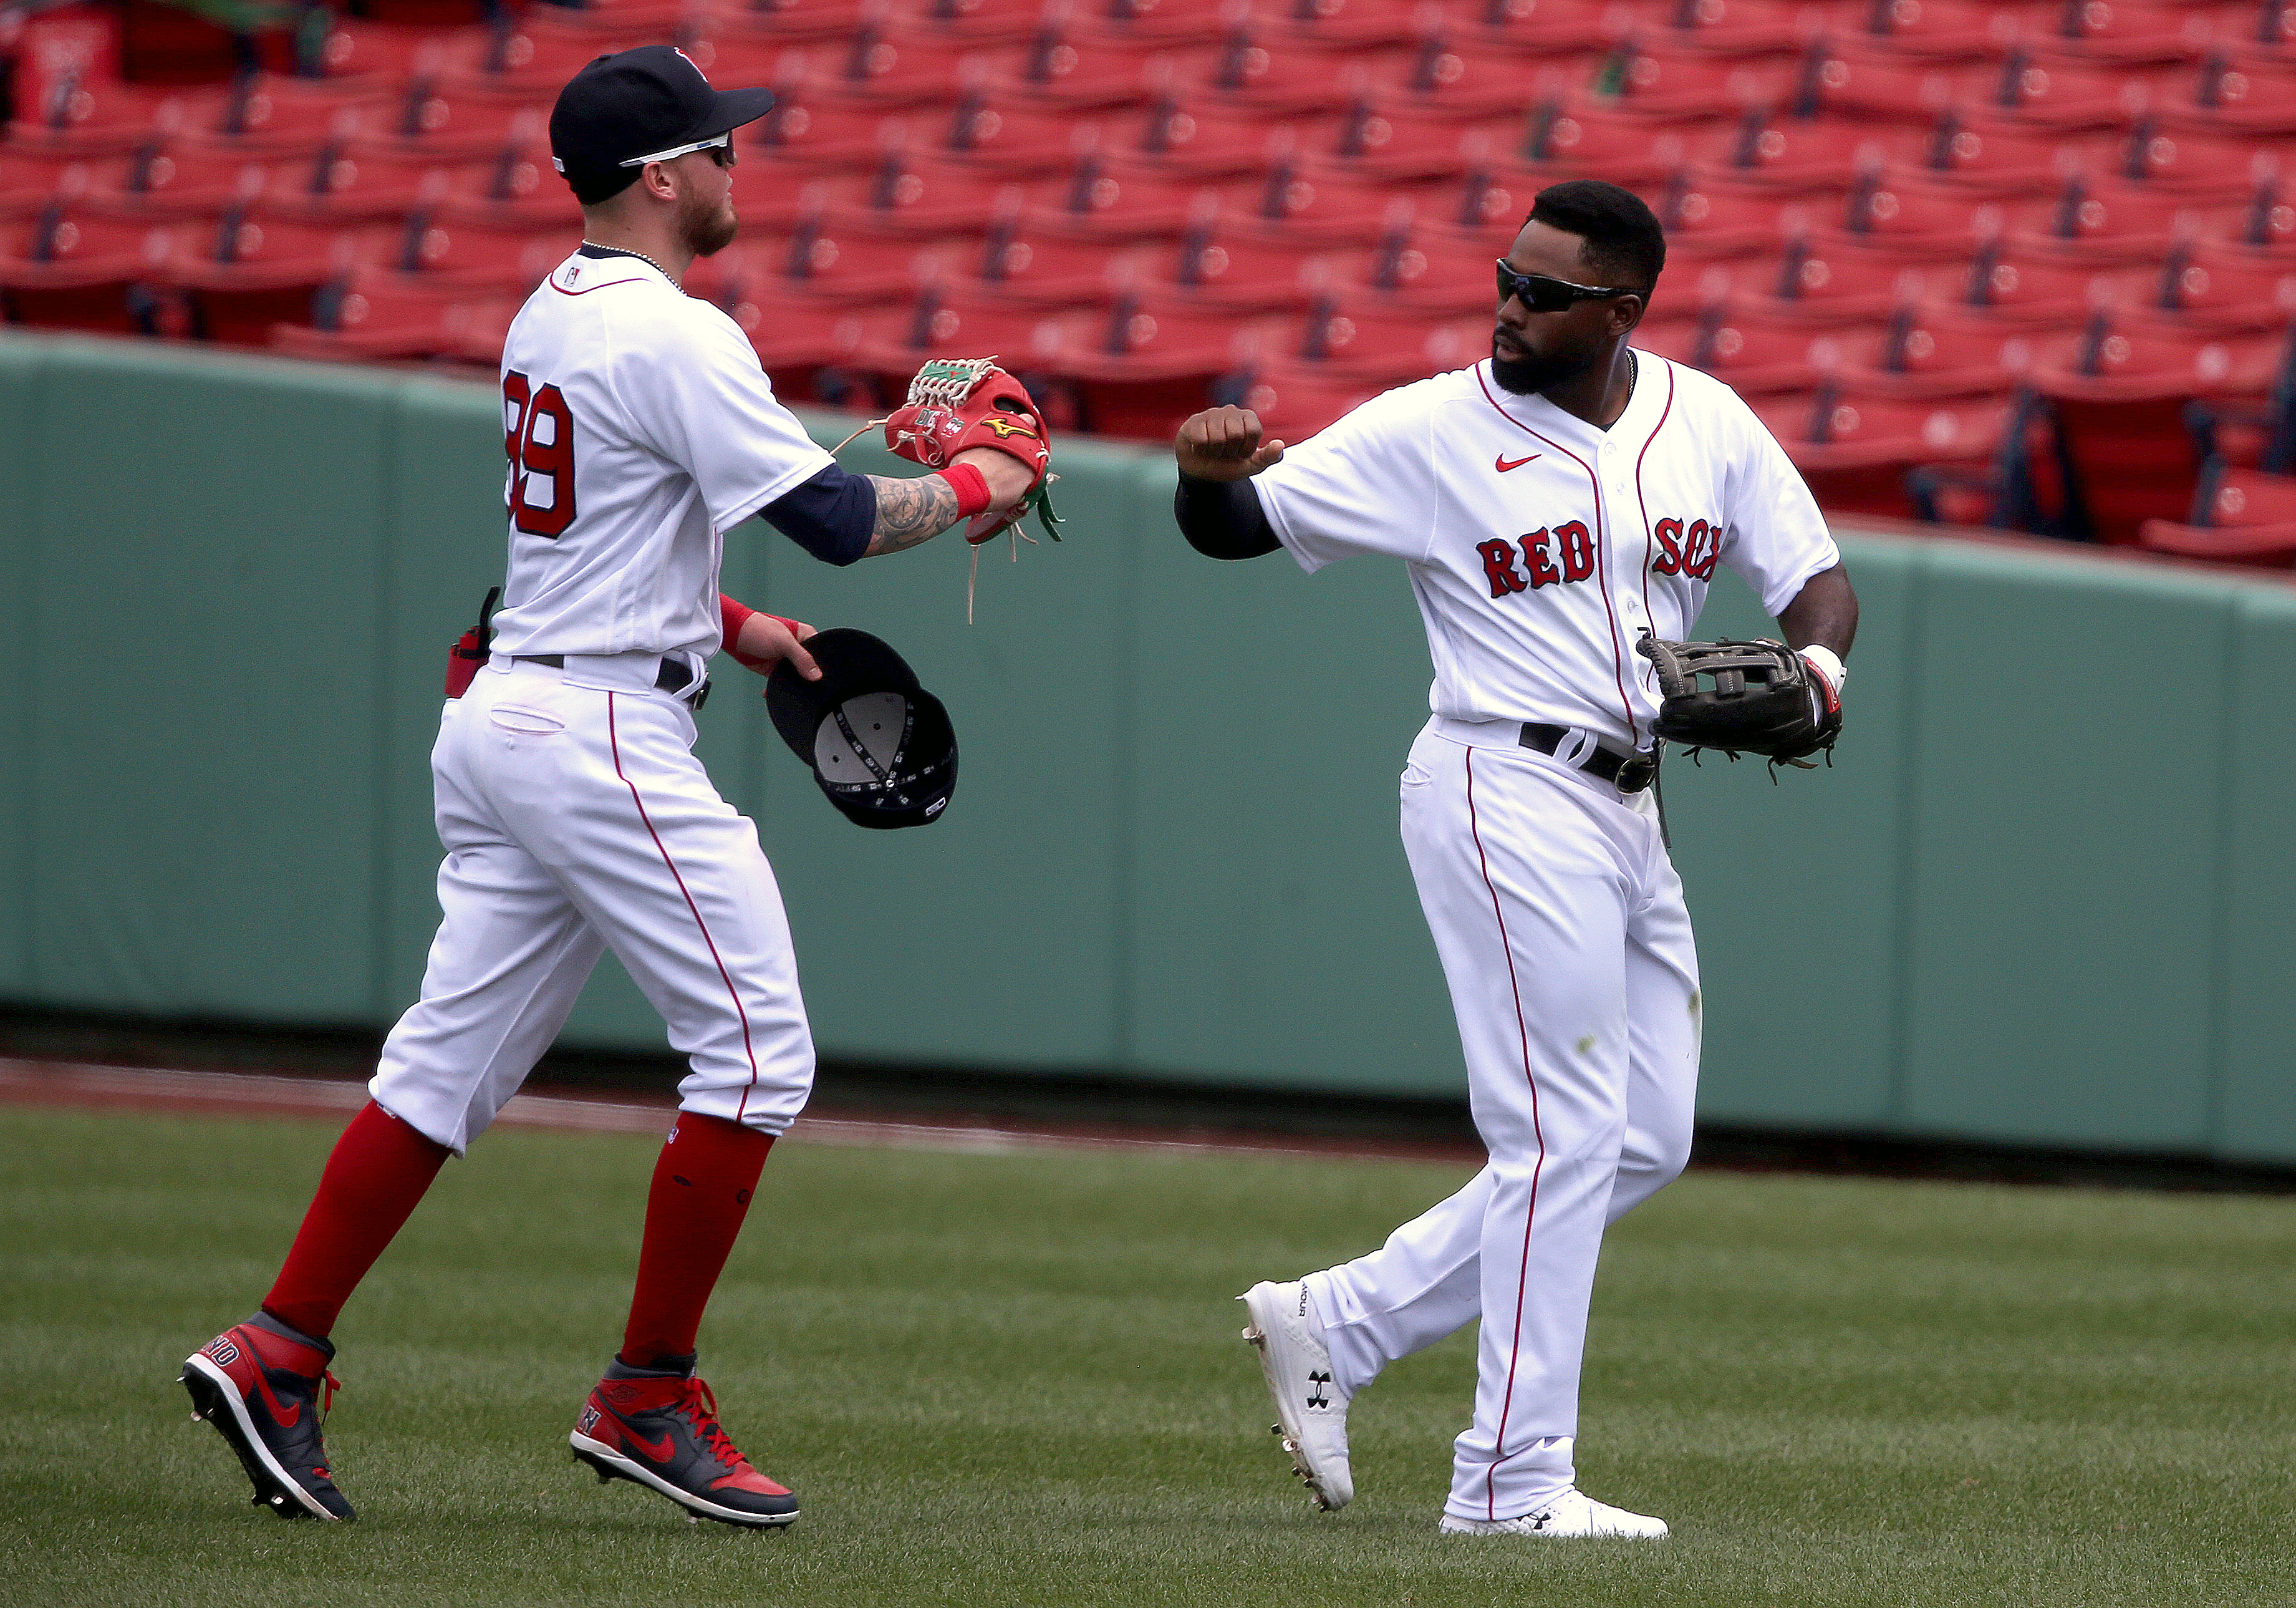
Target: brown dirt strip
[(249, 1094)]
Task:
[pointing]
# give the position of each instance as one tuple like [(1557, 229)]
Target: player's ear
[(655, 179), (1626, 312)]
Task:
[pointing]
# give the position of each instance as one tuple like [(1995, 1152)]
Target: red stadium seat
[(1746, 30), (1657, 80), (965, 23), (819, 267), (1314, 208), (527, 57), (382, 318), (1915, 216), (1856, 450), (1543, 30), (809, 130), (1047, 273), (1838, 82), (356, 182), (2036, 292), (2238, 516), (1992, 157), (948, 320), (1758, 354), (455, 127), (1442, 78), (1929, 352), (2128, 33), (1294, 400), (2051, 92), (1375, 343), (249, 271), (518, 187), (2203, 166), (1108, 198), (475, 256), (2265, 547), (30, 182), (878, 65), (165, 181), (63, 270), (2251, 93), (1816, 282), (2265, 222), (387, 52), (82, 115), (1242, 274), (1790, 156), (1566, 140), (1335, 26), (1202, 140), (274, 113), (913, 195), (2106, 222), (1165, 23), (1942, 30), (786, 21), (2223, 291), (1708, 224), (1056, 70), (1016, 140), (1391, 144), (1248, 72)]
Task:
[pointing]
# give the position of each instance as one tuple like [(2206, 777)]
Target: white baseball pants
[(1561, 925), (575, 816)]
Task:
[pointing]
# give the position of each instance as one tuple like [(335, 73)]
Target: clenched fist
[(1224, 444)]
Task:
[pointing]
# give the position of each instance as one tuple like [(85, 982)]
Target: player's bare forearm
[(910, 511), (914, 510), (1824, 613)]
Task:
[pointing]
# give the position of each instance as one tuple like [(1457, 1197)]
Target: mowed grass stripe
[(1015, 1379)]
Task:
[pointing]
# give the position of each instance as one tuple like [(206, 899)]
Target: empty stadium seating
[(2028, 262)]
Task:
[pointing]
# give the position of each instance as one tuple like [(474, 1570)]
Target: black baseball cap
[(638, 106), (880, 745)]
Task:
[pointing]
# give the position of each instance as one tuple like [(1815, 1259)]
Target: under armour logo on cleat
[(1315, 1396)]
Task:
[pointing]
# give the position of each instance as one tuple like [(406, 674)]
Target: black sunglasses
[(1542, 294)]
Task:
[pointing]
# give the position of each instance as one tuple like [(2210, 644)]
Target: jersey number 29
[(538, 436)]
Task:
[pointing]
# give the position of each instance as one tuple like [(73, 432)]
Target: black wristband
[(1223, 519)]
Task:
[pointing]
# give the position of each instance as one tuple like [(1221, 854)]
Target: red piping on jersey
[(1603, 565), (610, 285), (1649, 554), (614, 742), (1522, 1273)]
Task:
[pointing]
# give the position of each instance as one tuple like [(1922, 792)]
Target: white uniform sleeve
[(1363, 485), (1774, 537), (695, 394)]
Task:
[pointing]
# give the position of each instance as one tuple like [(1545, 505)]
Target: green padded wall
[(2026, 904)]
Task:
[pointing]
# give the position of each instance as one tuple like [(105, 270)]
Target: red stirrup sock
[(380, 1169), (701, 1187)]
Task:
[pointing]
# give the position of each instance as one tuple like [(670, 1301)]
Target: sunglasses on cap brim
[(715, 144), (1542, 293)]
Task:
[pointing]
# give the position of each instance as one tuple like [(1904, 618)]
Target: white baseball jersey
[(639, 428), (1539, 546)]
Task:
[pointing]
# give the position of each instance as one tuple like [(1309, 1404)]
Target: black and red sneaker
[(260, 1383), (661, 1430)]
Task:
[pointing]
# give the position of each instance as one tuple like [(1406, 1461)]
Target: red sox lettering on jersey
[(1538, 547)]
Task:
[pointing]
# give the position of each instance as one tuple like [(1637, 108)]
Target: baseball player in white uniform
[(1551, 504), (639, 429)]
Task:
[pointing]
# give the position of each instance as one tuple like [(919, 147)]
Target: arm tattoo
[(910, 511)]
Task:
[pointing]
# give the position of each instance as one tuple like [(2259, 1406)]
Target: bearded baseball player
[(575, 815), (1559, 509)]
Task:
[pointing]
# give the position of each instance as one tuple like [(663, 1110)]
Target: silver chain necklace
[(656, 266)]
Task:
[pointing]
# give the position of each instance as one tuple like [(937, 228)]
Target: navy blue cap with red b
[(637, 106)]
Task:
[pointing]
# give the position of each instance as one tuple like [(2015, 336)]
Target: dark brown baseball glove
[(1743, 698)]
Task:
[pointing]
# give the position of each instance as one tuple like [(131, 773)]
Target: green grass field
[(1016, 1380)]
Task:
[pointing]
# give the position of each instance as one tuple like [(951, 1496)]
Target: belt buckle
[(1637, 774)]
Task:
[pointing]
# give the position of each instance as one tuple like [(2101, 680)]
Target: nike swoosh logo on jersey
[(1502, 463)]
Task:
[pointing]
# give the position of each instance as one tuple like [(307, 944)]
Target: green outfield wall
[(2047, 895)]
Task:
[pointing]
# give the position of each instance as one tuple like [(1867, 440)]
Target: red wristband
[(971, 489), (730, 617)]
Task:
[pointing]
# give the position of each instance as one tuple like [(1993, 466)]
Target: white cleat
[(1574, 1513), (1314, 1414)]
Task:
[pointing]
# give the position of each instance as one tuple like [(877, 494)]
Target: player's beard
[(705, 233), (1534, 372)]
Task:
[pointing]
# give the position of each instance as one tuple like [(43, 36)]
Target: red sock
[(380, 1169), (702, 1188)]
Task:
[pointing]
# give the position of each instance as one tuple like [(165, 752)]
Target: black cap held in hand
[(880, 745), (634, 103)]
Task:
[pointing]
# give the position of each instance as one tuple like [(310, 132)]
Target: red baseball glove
[(959, 403)]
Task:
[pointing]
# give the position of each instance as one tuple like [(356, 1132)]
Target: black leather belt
[(672, 678), (1628, 773)]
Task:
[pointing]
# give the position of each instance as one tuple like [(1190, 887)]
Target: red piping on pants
[(1522, 1273), (614, 742)]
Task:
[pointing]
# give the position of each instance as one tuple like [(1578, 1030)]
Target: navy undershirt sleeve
[(1223, 519), (832, 516)]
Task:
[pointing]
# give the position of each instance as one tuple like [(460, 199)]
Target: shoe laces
[(328, 1385), (699, 1405)]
